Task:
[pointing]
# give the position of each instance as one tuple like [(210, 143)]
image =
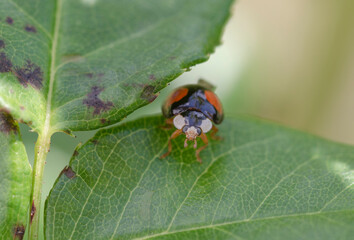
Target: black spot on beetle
[(30, 74), (30, 28), (5, 63), (68, 172), (7, 123), (152, 77), (9, 20), (2, 44), (148, 93), (19, 231), (33, 211), (92, 100)]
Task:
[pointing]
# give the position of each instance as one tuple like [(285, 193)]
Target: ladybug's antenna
[(206, 84)]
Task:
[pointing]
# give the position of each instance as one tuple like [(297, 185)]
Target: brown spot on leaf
[(19, 231), (103, 120), (30, 28), (94, 141), (9, 20), (33, 211), (75, 153), (148, 93), (30, 74), (7, 123), (68, 172), (92, 100), (5, 63), (172, 58), (2, 44), (22, 108)]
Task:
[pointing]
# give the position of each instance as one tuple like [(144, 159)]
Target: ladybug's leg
[(206, 142), (174, 135), (168, 124), (214, 131)]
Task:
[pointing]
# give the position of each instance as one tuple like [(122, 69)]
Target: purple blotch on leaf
[(7, 123), (152, 77), (9, 20), (68, 172), (5, 63), (89, 75), (30, 74), (148, 93), (30, 28), (92, 100)]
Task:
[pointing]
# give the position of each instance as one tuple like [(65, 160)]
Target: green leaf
[(15, 180), (84, 64), (262, 181)]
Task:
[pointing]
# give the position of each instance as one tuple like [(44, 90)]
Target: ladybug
[(193, 109)]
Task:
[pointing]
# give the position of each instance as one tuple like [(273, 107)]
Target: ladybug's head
[(193, 124), (192, 133)]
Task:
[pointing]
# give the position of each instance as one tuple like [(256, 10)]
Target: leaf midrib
[(47, 127)]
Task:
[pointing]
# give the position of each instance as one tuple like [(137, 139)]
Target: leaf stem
[(41, 151)]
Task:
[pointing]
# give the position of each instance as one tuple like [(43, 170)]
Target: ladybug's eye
[(179, 121), (206, 125)]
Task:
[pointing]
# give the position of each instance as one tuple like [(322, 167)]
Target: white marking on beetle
[(179, 121), (206, 125)]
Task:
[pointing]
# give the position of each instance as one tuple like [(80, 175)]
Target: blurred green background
[(291, 62)]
